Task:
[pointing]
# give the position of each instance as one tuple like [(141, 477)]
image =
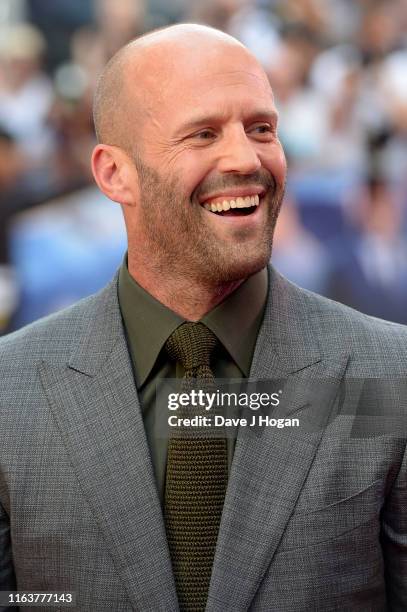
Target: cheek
[(276, 164), (192, 173)]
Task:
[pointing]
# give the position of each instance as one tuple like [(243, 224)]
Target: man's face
[(211, 169)]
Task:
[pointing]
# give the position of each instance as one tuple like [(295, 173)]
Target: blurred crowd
[(338, 69)]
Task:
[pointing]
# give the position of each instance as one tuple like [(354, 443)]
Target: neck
[(188, 297)]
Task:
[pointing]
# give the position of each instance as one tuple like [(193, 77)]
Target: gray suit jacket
[(311, 521)]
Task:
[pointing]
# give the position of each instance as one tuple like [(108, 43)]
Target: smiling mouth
[(240, 206)]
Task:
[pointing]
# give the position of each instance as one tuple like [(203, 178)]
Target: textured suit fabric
[(311, 521)]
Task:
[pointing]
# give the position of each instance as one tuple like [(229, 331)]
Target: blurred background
[(339, 72)]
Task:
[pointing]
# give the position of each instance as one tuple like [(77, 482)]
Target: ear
[(115, 174)]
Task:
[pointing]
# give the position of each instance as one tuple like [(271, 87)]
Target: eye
[(264, 128), (204, 135), (265, 131)]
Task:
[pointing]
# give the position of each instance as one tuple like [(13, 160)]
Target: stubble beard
[(182, 245)]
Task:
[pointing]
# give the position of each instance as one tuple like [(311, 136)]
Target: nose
[(238, 154)]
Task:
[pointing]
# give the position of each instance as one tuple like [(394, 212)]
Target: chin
[(239, 268)]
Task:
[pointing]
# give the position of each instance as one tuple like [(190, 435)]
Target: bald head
[(140, 70)]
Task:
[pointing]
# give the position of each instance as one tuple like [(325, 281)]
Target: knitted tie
[(196, 479)]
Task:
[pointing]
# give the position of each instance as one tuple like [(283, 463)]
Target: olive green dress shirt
[(148, 324)]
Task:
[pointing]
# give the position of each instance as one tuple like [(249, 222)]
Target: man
[(90, 501)]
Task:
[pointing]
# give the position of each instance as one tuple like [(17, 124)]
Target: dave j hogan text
[(256, 420)]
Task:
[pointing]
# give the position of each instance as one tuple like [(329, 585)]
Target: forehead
[(217, 77), (228, 95), (221, 78), (220, 82)]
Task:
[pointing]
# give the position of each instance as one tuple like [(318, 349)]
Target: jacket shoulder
[(53, 337), (340, 326)]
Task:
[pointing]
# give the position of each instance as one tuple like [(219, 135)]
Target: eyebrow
[(261, 114)]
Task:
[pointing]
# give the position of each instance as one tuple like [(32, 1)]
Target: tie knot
[(192, 344)]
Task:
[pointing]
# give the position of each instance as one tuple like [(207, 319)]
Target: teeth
[(246, 202)]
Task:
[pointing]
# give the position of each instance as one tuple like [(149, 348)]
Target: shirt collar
[(236, 320), (148, 323)]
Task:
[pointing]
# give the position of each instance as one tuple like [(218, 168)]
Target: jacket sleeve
[(394, 541)]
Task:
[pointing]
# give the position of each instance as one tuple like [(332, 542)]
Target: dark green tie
[(196, 479)]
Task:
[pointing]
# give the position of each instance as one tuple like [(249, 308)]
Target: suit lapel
[(95, 405), (271, 465)]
